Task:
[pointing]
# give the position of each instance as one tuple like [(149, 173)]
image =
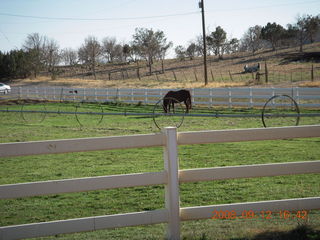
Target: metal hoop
[(263, 115), (42, 112), (175, 101), (76, 113)]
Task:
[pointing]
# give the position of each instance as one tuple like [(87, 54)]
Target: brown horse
[(173, 97)]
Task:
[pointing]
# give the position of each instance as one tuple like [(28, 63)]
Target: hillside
[(285, 67)]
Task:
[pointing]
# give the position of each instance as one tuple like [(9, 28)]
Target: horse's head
[(165, 105)]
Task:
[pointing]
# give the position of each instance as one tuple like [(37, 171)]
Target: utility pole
[(201, 5)]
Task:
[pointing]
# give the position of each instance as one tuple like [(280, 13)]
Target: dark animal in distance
[(251, 69), (74, 91), (173, 97)]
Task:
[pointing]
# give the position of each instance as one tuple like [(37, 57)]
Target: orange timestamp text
[(250, 214)]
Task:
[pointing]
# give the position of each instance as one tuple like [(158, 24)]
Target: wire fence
[(192, 72)]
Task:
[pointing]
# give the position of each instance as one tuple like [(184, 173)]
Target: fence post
[(36, 93), (192, 94), (132, 99), (230, 97), (297, 95), (20, 93), (171, 166), (145, 96), (251, 97), (212, 75), (266, 71), (230, 76), (138, 73), (45, 94), (174, 75), (195, 74)]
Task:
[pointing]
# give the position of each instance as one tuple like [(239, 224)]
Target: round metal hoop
[(42, 113), (292, 103), (88, 113), (166, 112)]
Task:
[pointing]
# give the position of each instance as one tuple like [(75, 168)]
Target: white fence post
[(251, 97), (192, 94), (132, 99), (297, 95), (146, 96), (20, 93), (170, 155), (230, 97)]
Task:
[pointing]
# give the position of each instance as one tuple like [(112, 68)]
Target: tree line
[(272, 35), (40, 53)]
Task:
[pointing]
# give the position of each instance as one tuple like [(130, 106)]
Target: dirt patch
[(302, 57), (22, 101)]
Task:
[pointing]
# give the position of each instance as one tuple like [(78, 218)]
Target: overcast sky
[(69, 22)]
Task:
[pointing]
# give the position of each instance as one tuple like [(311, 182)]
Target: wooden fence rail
[(171, 176)]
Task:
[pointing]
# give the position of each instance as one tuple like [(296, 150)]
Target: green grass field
[(73, 165)]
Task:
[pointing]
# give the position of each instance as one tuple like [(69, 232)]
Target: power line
[(97, 19), (5, 36), (259, 7), (155, 16)]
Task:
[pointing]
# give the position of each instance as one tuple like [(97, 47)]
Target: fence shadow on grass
[(301, 232)]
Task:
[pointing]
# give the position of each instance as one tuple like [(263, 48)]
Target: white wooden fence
[(247, 97), (171, 176)]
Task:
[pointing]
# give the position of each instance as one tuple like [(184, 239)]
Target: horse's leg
[(164, 108), (165, 105), (187, 106)]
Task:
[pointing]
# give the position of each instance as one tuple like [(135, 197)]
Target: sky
[(69, 22)]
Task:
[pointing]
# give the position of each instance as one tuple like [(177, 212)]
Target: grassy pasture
[(95, 203)]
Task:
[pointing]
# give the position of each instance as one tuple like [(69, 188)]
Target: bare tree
[(108, 47), (162, 53), (312, 25), (34, 45), (51, 54), (199, 45), (149, 44), (251, 40), (301, 31), (69, 56), (90, 52), (232, 46), (180, 52), (118, 53), (191, 50)]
